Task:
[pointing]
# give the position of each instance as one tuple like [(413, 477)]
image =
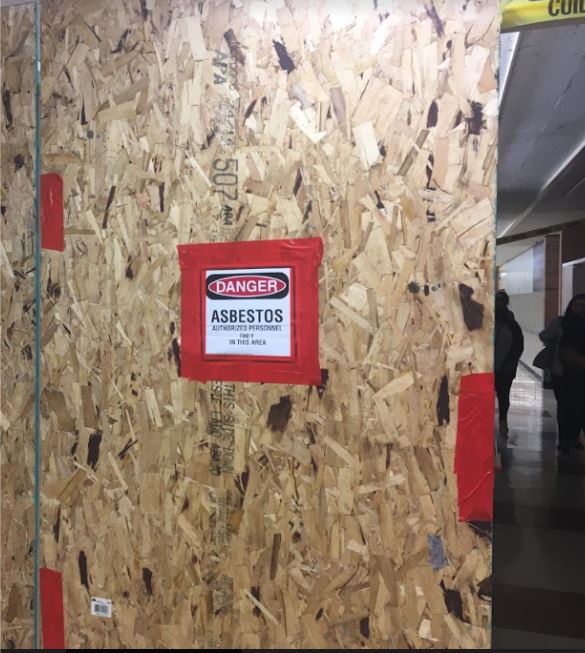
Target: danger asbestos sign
[(250, 311)]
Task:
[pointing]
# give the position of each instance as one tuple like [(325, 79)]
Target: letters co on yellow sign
[(525, 13)]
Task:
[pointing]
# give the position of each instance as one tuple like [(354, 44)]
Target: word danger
[(252, 286), (264, 286)]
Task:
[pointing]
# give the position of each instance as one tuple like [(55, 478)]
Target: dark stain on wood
[(429, 169), (279, 415), (121, 42), (53, 288), (126, 448), (484, 588), (365, 627), (249, 110), (453, 602), (434, 16), (482, 528), (7, 104), (242, 481), (234, 46), (255, 592), (443, 409), (108, 205), (57, 526), (83, 577), (323, 385), (176, 355), (433, 115), (276, 540), (298, 182), (286, 63), (93, 449), (476, 123), (472, 311), (161, 197), (147, 578), (413, 287), (18, 162)]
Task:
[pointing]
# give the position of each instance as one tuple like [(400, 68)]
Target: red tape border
[(52, 227), (303, 256), (53, 619), (474, 449)]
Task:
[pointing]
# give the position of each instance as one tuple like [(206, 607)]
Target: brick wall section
[(574, 241)]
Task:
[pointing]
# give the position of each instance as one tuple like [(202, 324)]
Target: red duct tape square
[(250, 311), (474, 450), (52, 227), (53, 620)]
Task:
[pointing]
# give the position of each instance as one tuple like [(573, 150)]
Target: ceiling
[(541, 164)]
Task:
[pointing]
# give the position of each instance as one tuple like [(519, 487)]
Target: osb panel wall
[(17, 311), (332, 522)]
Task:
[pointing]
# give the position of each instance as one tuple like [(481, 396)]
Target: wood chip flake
[(340, 451), (305, 120), (367, 145), (396, 386), (261, 607)]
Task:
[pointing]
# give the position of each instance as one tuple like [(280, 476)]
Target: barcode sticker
[(101, 607)]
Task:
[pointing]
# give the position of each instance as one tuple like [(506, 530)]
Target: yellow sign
[(524, 13)]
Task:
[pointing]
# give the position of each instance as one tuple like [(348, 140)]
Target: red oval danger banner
[(243, 285), (249, 311)]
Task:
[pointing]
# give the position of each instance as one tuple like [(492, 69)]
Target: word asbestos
[(248, 316)]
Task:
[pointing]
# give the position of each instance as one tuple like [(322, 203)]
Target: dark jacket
[(509, 342)]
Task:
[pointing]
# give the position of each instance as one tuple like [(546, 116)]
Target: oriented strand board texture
[(333, 520), (17, 311)]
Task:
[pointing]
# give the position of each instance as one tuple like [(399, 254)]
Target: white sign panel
[(248, 312), (101, 607)]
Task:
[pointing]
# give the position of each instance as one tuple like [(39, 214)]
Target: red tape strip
[(53, 619), (474, 450), (52, 227)]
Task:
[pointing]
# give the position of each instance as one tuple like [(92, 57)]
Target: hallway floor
[(539, 530)]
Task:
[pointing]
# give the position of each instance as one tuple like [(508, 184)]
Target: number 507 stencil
[(250, 311)]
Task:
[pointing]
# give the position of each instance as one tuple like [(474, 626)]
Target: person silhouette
[(572, 355), (509, 345)]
